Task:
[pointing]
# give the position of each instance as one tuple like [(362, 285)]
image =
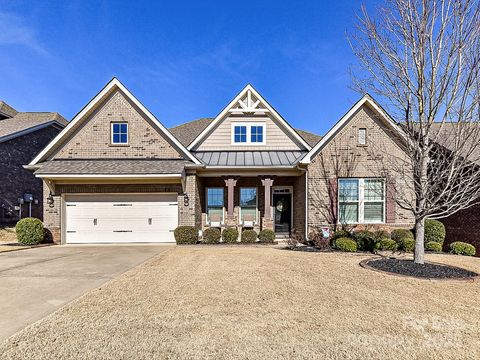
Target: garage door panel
[(121, 218)]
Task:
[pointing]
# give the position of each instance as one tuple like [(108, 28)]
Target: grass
[(8, 236), (199, 302)]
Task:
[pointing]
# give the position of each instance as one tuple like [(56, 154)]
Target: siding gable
[(249, 107), (92, 139)]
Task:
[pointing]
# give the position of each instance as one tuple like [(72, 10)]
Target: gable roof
[(111, 86), (189, 131), (246, 91), (6, 111), (365, 100), (23, 123)]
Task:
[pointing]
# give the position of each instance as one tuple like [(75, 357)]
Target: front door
[(283, 213)]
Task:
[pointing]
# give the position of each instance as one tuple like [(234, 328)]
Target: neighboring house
[(22, 136), (116, 174)]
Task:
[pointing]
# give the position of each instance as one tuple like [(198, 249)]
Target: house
[(22, 136), (116, 174)]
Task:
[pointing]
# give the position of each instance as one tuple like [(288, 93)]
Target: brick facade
[(344, 157), (92, 140), (15, 180), (463, 226)]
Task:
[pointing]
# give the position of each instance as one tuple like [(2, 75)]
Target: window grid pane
[(240, 134), (348, 213), (120, 133), (348, 190), (257, 134), (374, 190)]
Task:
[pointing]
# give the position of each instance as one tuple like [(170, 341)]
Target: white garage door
[(120, 218)]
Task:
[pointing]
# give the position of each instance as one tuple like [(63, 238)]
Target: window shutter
[(333, 195), (390, 201)]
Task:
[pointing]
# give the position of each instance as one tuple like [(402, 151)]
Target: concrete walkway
[(36, 282)]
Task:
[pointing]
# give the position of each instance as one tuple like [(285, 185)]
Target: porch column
[(230, 183), (267, 184)]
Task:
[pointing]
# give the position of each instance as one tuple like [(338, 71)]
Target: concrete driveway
[(36, 282)]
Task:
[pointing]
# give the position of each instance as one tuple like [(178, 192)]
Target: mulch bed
[(405, 267)]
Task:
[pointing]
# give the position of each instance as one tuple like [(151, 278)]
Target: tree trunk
[(419, 252)]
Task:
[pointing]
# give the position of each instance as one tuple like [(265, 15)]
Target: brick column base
[(230, 222)]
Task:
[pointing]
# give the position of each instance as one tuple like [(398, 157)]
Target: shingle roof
[(26, 120), (6, 110), (187, 132), (112, 166), (250, 158)]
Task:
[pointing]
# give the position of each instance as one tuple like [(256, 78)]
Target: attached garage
[(120, 218)]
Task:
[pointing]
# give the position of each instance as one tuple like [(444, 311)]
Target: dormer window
[(248, 133), (120, 133)]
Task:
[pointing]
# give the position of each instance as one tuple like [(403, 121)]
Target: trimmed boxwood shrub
[(249, 236), (212, 236), (433, 246), (399, 235), (266, 236), (365, 240), (346, 244), (386, 244), (462, 248), (434, 231), (341, 234), (407, 245), (186, 235), (230, 235), (30, 231)]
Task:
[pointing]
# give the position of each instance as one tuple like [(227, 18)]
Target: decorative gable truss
[(249, 105), (249, 102)]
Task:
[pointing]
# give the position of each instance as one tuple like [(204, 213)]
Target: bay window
[(361, 201)]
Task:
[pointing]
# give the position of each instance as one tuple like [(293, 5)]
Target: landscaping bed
[(406, 267)]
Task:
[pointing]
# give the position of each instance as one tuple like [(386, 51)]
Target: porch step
[(282, 236)]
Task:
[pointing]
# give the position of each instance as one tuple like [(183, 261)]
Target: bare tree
[(422, 58), (339, 161)]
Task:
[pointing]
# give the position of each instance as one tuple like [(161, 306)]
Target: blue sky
[(183, 60)]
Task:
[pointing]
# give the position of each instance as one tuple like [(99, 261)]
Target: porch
[(253, 202)]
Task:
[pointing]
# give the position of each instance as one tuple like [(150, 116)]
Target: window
[(248, 133), (215, 204), (119, 133), (362, 136), (256, 134), (240, 134), (361, 200), (248, 204)]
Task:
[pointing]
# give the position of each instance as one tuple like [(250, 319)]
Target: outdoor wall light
[(186, 200), (50, 200)]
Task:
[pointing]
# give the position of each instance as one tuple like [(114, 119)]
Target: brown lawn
[(213, 302)]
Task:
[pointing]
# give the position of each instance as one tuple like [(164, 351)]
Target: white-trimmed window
[(119, 132), (248, 133), (361, 201), (215, 206), (248, 204)]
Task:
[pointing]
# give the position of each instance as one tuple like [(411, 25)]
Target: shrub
[(433, 246), (30, 231), (317, 240), (381, 234), (186, 235), (346, 244), (365, 240), (462, 248), (230, 235), (399, 235), (386, 244), (249, 236), (341, 234), (407, 245), (266, 236), (212, 236), (434, 231)]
